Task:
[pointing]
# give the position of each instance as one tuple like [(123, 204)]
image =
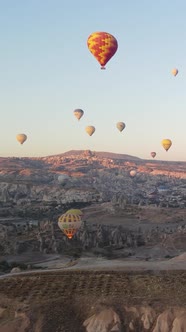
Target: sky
[(47, 71)]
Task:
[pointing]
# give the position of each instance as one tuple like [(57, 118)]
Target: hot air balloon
[(78, 113), (166, 143), (174, 71), (90, 130), (69, 224), (21, 138), (120, 126), (103, 46), (133, 173), (62, 178), (76, 212), (153, 154)]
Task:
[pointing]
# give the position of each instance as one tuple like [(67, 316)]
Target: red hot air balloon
[(103, 46)]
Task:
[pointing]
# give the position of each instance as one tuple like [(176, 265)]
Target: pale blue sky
[(47, 71)]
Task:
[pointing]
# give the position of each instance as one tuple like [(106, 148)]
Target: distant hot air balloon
[(90, 130), (166, 143), (133, 172), (174, 71), (103, 46), (69, 224), (62, 178), (78, 113), (153, 154), (120, 126), (21, 138)]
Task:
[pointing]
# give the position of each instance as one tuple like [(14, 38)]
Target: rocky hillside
[(138, 217), (93, 301), (32, 198), (32, 183)]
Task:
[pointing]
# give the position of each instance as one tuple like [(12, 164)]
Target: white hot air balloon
[(63, 178), (120, 126)]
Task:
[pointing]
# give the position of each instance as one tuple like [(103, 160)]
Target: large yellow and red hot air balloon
[(166, 143), (103, 46), (69, 224)]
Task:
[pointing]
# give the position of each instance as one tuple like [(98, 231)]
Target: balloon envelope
[(90, 130), (166, 143), (69, 224), (153, 154), (78, 113), (76, 212), (133, 173), (21, 138), (120, 126), (62, 178), (174, 71), (103, 46)]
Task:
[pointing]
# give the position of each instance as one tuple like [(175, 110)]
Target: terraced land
[(66, 298), (128, 286)]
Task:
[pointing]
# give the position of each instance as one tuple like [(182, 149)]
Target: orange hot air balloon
[(103, 46), (21, 138), (174, 71)]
